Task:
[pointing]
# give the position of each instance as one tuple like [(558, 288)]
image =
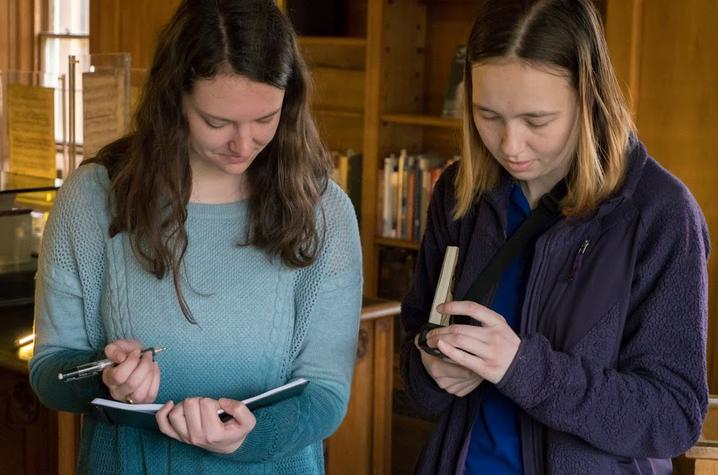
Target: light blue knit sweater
[(260, 324)]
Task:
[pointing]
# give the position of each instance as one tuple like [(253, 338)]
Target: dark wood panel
[(28, 431), (677, 113), (128, 26)]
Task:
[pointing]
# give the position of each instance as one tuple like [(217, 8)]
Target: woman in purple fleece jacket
[(590, 353)]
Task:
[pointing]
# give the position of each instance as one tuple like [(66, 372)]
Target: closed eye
[(214, 125), (537, 125)]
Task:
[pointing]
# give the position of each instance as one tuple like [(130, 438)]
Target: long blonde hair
[(563, 34)]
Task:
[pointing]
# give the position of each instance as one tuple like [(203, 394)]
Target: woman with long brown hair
[(211, 229), (576, 343)]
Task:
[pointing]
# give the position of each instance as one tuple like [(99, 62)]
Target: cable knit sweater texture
[(260, 324)]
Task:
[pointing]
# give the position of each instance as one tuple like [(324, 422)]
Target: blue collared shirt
[(495, 444)]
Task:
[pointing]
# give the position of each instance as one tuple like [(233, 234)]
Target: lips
[(233, 158), (518, 167)]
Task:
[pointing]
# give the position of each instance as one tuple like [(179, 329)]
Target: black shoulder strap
[(547, 210)]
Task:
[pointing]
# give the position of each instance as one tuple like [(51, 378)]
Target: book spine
[(445, 285)]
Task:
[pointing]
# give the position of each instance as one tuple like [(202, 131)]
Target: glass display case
[(24, 205)]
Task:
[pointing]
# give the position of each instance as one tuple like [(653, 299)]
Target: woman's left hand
[(487, 350), (195, 421)]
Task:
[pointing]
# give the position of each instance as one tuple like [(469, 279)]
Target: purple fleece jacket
[(611, 370)]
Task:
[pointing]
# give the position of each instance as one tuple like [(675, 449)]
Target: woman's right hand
[(136, 377), (450, 377)]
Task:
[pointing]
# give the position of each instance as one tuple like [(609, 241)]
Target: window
[(68, 35)]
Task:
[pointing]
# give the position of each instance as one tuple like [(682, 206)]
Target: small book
[(143, 415), (445, 285)]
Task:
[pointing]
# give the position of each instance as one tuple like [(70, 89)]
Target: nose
[(511, 140), (241, 142)]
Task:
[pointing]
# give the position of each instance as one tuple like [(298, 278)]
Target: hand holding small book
[(194, 421), (449, 376), (487, 350)]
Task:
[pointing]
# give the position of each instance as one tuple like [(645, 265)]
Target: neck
[(218, 189), (532, 193)]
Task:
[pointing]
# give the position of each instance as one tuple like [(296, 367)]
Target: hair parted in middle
[(149, 169), (558, 35)]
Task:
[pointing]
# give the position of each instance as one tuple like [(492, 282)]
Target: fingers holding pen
[(135, 376), (119, 350), (143, 382)]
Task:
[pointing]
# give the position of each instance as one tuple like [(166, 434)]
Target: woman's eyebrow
[(535, 114), (222, 119)]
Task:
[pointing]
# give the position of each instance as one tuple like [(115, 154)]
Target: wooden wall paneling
[(68, 438), (362, 444), (372, 111), (383, 375), (5, 37), (339, 130), (104, 26), (623, 34), (665, 56), (128, 26), (344, 53), (444, 141), (338, 88), (19, 20), (677, 112), (448, 25), (348, 443), (710, 428), (28, 431), (403, 57)]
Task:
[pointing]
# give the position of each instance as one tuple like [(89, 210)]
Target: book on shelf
[(347, 173), (454, 99), (405, 184), (143, 415)]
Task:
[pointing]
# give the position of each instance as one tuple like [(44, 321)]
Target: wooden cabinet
[(28, 431), (362, 445)]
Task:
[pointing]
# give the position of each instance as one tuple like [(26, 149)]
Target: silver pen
[(96, 367)]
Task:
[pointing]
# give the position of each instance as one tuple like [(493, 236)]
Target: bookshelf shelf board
[(332, 41), (424, 120), (334, 52), (402, 243), (345, 114)]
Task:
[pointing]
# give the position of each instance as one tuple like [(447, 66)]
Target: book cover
[(444, 286), (143, 415)]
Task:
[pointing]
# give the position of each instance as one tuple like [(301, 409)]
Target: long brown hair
[(149, 169), (563, 34)]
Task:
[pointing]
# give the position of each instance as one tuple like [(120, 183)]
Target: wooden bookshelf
[(410, 49), (423, 120), (400, 243)]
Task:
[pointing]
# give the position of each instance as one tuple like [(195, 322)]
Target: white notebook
[(143, 415)]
